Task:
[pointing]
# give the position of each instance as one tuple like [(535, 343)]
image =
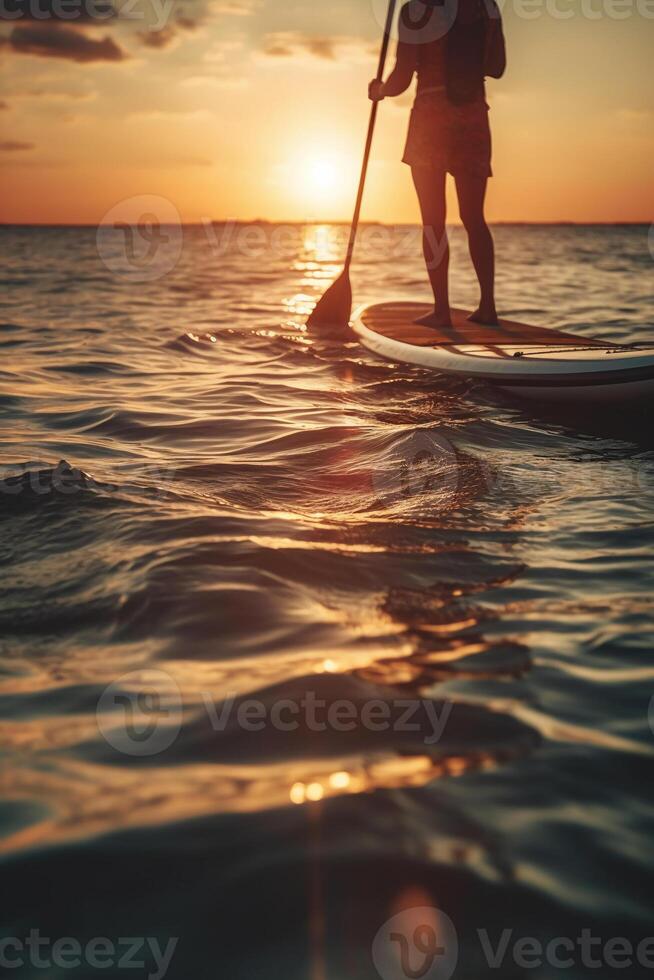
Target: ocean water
[(314, 665)]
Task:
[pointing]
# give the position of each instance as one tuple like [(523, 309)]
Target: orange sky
[(257, 108)]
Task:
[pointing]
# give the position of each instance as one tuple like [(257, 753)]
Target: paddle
[(335, 307)]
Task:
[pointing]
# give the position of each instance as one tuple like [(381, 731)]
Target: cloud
[(15, 146), (167, 36), (175, 162), (236, 8), (226, 53), (159, 39), (163, 162), (212, 81), (293, 44), (56, 95), (169, 114), (192, 15), (634, 115), (53, 41), (6, 163)]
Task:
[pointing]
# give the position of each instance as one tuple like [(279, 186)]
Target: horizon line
[(563, 222)]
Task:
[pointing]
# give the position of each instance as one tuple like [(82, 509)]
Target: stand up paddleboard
[(529, 361)]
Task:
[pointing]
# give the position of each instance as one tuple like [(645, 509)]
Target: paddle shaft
[(371, 130)]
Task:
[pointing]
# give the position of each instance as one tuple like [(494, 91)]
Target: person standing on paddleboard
[(451, 46)]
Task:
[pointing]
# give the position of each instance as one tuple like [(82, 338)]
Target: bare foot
[(436, 319), (485, 315)]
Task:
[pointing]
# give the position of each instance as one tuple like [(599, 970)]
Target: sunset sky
[(258, 108)]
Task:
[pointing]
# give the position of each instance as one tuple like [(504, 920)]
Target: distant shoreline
[(380, 224)]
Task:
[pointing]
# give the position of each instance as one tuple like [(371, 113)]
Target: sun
[(317, 182), (322, 175)]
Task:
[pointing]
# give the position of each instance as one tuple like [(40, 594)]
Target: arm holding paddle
[(400, 78), (406, 65)]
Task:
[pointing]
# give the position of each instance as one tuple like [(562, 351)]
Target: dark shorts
[(450, 138)]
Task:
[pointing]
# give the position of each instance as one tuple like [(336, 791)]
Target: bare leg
[(471, 192), (430, 186)]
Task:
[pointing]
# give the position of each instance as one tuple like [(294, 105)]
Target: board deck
[(535, 362), (397, 322)]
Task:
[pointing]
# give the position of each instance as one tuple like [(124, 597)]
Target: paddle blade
[(334, 309)]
